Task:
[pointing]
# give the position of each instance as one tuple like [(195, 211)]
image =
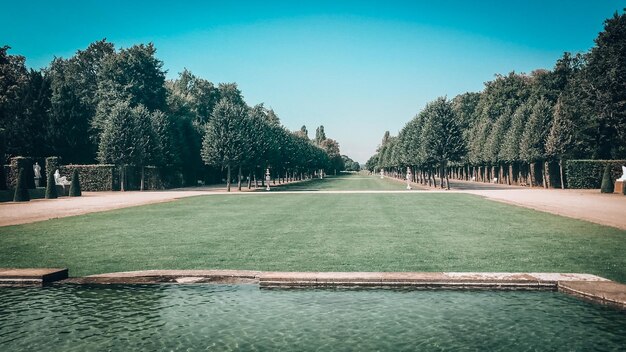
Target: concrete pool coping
[(586, 286)]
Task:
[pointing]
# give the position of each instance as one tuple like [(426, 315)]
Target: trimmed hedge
[(52, 163), (97, 177), (94, 177), (25, 163), (7, 195), (588, 173)]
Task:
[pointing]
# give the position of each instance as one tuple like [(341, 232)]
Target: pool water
[(244, 317)]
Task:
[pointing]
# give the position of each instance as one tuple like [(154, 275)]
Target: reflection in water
[(243, 317)]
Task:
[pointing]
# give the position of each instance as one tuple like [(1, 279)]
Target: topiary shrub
[(607, 181), (51, 187), (21, 192), (75, 185)]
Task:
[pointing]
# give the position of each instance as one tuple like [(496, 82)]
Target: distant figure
[(37, 170), (473, 178), (495, 180)]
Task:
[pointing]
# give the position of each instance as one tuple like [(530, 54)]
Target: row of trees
[(116, 106), (520, 124)]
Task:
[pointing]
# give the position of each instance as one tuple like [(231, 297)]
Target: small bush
[(75, 185), (607, 181), (51, 187), (21, 192)]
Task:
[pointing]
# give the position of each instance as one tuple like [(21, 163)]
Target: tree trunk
[(239, 178), (447, 182), (561, 173), (531, 173), (250, 180), (122, 179), (441, 175), (228, 178), (143, 174)]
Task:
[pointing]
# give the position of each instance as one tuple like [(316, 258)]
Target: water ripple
[(242, 317)]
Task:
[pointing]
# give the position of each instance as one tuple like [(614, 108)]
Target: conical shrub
[(607, 182), (21, 192), (75, 185), (51, 187)]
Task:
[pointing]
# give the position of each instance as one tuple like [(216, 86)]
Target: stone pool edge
[(586, 286)]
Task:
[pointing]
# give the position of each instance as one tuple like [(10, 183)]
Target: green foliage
[(3, 177), (92, 178), (27, 135), (349, 164), (575, 111), (320, 135), (604, 76), (225, 141), (441, 136), (18, 163), (13, 80), (74, 100), (607, 181), (21, 190), (75, 185), (560, 137), (589, 173), (51, 187), (510, 150), (129, 137), (532, 144)]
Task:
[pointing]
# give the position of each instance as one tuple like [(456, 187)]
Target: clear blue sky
[(357, 67)]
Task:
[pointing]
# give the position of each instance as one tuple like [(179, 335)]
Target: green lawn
[(355, 182), (416, 231)]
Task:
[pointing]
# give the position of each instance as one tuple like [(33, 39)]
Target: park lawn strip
[(415, 231), (348, 182)]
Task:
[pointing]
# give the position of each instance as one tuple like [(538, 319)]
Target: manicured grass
[(415, 231), (345, 182)]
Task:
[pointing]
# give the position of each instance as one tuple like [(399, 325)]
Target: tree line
[(117, 107), (521, 125)]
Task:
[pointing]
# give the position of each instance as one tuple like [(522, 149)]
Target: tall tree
[(13, 79), (74, 99), (303, 132), (605, 80), (320, 135), (121, 139), (442, 138), (28, 137), (331, 147), (224, 142), (134, 75)]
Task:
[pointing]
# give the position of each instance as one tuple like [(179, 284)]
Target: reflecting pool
[(244, 317)]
